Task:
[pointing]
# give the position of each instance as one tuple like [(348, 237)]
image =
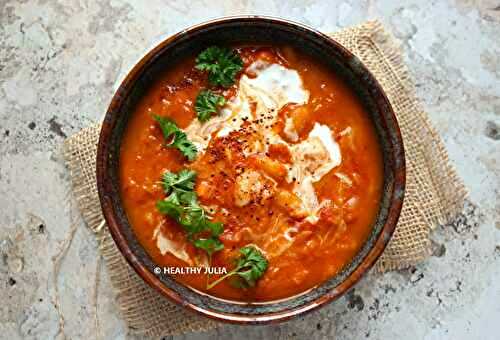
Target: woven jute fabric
[(434, 193)]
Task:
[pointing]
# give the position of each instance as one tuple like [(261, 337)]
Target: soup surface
[(289, 163)]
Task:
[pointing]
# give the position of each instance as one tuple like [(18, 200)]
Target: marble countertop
[(59, 63)]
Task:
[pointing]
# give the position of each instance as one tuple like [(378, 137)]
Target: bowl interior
[(252, 31)]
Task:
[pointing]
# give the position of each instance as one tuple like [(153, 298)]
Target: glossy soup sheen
[(313, 252)]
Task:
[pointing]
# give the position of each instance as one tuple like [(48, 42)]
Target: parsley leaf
[(176, 138), (170, 207), (216, 228), (182, 205), (185, 146), (184, 180), (221, 63), (189, 214), (193, 219), (207, 103), (210, 245), (250, 266)]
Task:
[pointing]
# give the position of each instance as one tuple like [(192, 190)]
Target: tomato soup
[(286, 161)]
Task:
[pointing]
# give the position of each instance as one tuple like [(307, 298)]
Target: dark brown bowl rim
[(114, 224)]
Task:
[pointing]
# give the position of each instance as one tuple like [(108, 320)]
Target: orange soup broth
[(309, 260)]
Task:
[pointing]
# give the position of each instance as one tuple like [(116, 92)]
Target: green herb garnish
[(250, 266), (182, 205), (221, 63), (183, 181), (176, 138), (210, 245), (207, 103)]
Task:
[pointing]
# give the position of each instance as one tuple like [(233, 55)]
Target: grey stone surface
[(59, 63)]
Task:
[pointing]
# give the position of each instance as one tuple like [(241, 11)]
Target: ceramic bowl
[(252, 30)]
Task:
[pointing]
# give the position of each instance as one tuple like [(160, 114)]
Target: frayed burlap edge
[(434, 192)]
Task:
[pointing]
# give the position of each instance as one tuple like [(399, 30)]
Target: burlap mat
[(434, 193)]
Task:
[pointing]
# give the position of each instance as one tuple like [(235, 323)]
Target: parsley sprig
[(182, 205), (207, 103), (180, 182), (210, 245), (250, 266), (176, 138), (221, 63)]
